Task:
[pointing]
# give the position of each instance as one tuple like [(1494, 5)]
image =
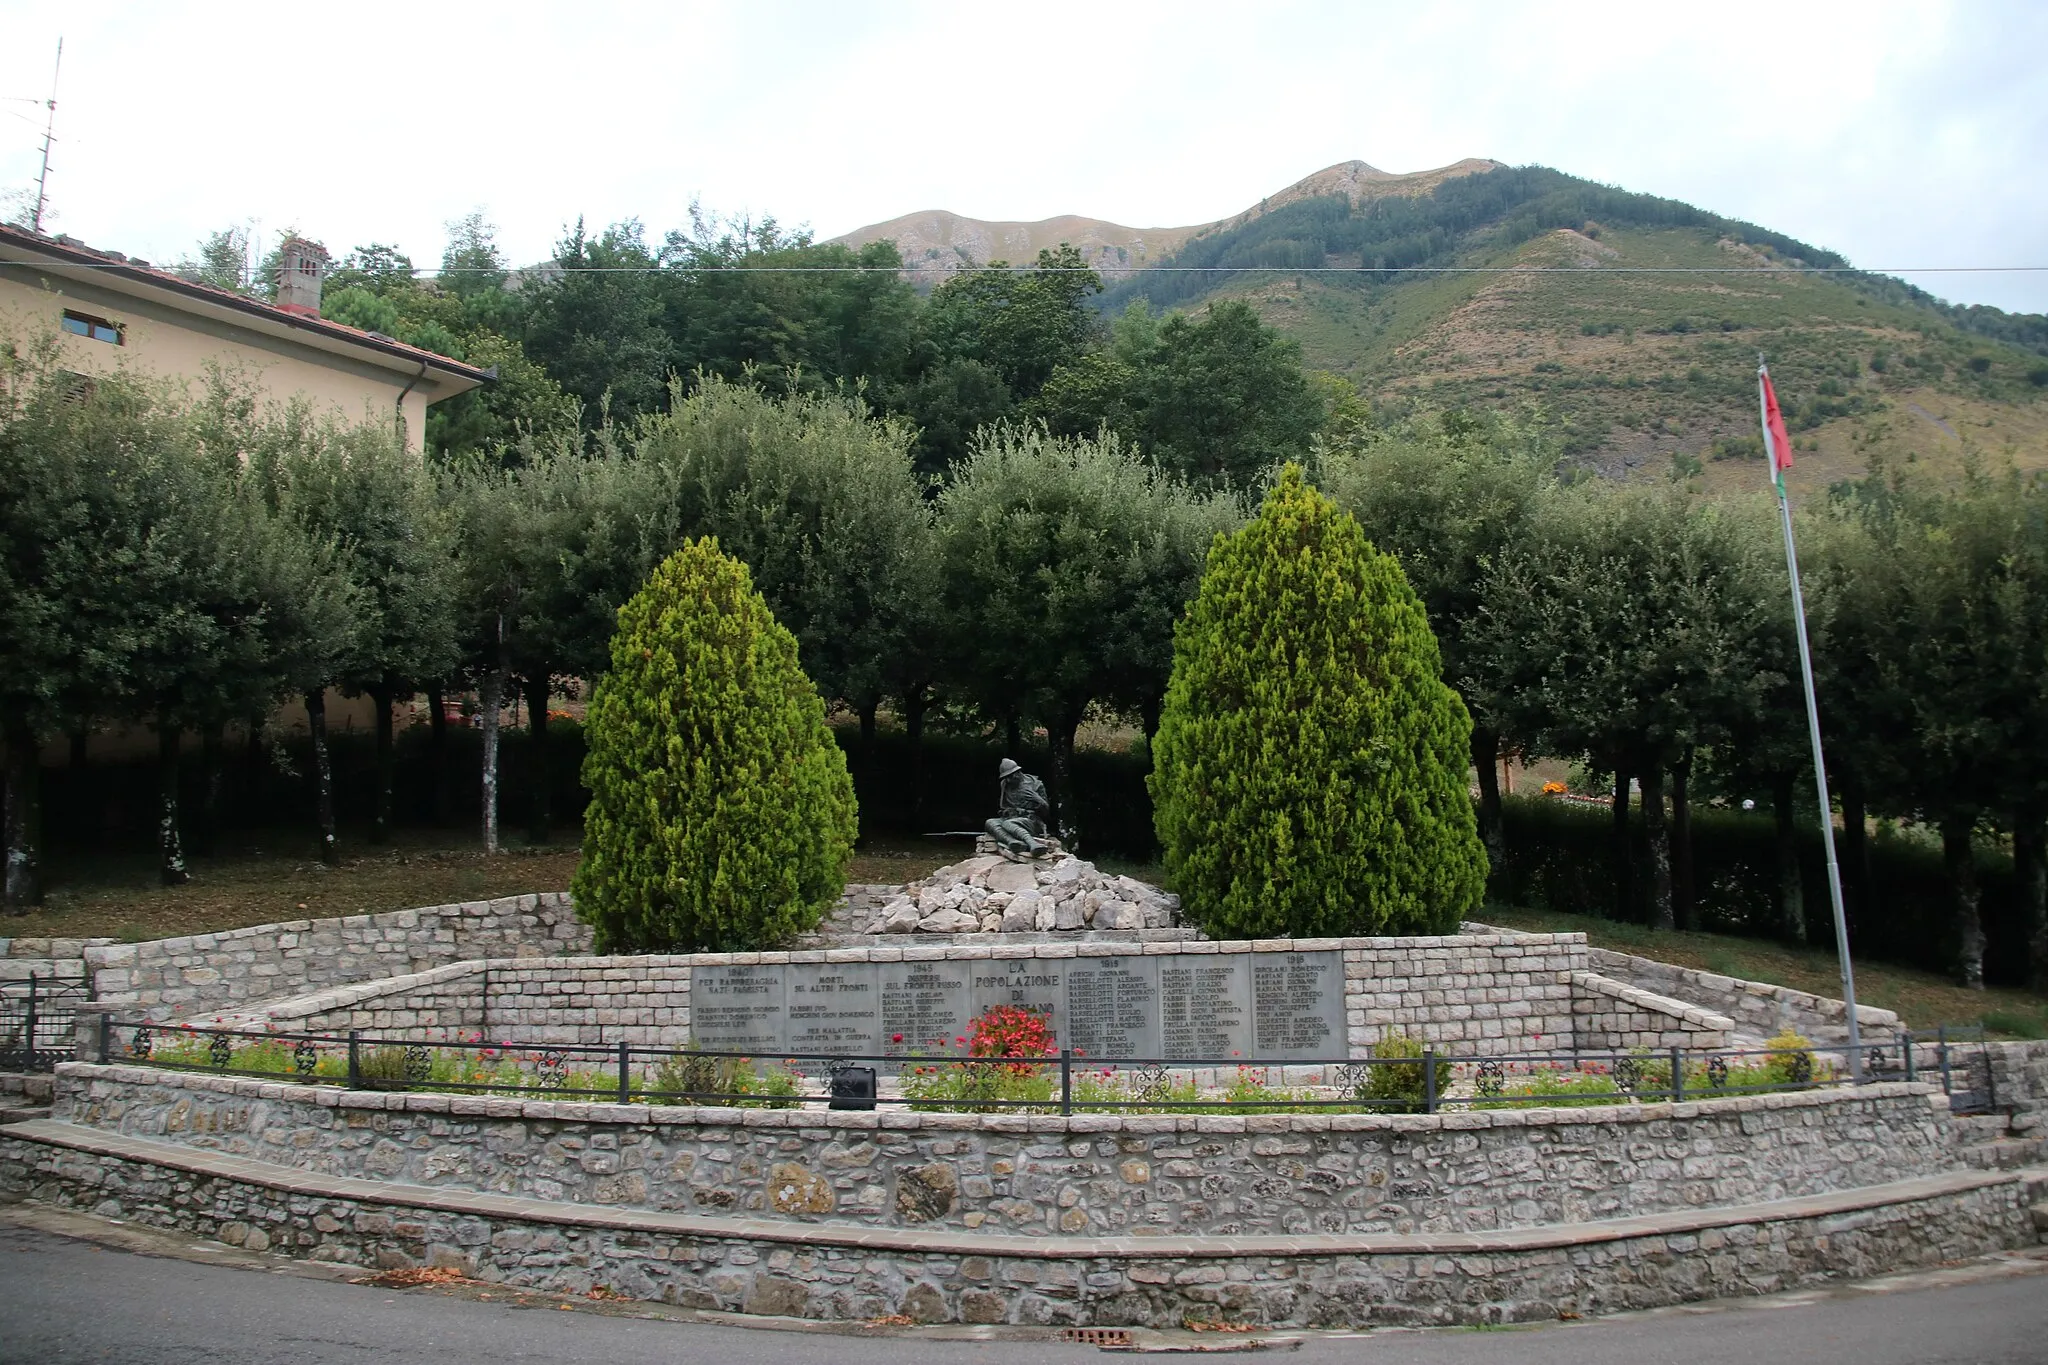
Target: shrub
[(721, 815), (695, 1079), (1011, 1031), (1395, 1085), (1310, 762), (1562, 1089), (1790, 1064)]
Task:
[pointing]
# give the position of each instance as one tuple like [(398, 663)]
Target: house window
[(86, 325)]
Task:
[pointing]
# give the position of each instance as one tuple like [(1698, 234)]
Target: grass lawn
[(1922, 999), (263, 880)]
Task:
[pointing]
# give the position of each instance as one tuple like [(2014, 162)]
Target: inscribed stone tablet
[(835, 1009), (1297, 1006), (1205, 1007), (1113, 1007), (1036, 984), (738, 1009), (925, 1006)]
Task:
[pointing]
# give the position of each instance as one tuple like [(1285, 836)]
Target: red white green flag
[(1777, 445)]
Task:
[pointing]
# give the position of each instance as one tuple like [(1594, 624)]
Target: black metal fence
[(1063, 1082), (39, 1023)]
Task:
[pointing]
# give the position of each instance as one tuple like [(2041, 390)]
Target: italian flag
[(1777, 445)]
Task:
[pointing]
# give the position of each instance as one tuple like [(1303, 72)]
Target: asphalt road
[(134, 1297)]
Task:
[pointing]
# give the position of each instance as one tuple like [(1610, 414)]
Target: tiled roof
[(71, 251)]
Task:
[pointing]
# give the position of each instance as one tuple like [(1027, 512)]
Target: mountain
[(935, 243), (1632, 321)]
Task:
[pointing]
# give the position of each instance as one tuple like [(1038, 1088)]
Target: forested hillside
[(1636, 323)]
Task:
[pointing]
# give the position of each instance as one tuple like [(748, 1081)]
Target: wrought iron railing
[(1063, 1082), (39, 1023)]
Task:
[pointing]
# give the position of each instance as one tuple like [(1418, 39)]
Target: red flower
[(895, 1037)]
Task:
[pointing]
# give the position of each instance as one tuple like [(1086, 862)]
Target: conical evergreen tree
[(1309, 771), (721, 815)]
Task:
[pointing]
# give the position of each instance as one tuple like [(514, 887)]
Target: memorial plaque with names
[(1297, 1006), (1112, 1007), (834, 1009), (738, 1009), (1205, 1007), (927, 1005), (1036, 984)]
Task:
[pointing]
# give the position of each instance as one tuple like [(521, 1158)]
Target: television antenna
[(49, 136)]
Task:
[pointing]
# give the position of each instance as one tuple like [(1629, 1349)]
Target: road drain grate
[(1097, 1336)]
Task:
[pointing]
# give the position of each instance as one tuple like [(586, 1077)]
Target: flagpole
[(1820, 770)]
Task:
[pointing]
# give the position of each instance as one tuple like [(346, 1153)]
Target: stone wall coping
[(1653, 1003), (77, 1074), (96, 955), (925, 1242), (1867, 1016)]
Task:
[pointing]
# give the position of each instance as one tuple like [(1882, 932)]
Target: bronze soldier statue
[(1021, 808)]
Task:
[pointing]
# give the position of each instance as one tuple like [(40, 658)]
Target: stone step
[(16, 1112), (1979, 1127), (34, 1087), (2001, 1154)]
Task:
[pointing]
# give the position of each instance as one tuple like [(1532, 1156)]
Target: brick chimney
[(301, 266)]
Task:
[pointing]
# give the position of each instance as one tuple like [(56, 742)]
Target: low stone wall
[(644, 1001), (1048, 1176), (846, 1274), (1610, 1015), (1757, 1008), (174, 977)]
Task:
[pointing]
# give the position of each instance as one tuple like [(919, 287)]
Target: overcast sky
[(1900, 135)]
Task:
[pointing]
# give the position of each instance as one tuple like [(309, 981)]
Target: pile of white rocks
[(988, 894)]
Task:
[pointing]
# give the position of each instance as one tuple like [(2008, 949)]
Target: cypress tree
[(721, 814), (1309, 772)]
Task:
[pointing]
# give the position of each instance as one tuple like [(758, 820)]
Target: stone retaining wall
[(173, 977), (1609, 1015), (644, 1001), (1757, 1008), (1469, 995), (1047, 1176), (752, 1266)]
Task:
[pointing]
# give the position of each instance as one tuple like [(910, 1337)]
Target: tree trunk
[(1148, 715), (251, 783), (170, 848), (1957, 852), (915, 700), (2030, 864), (1659, 838), (85, 814), (540, 809), (1486, 765), (1855, 864), (1791, 887), (323, 776), (1059, 733), (382, 699), (437, 753), (24, 882), (1013, 737), (868, 707), (489, 701), (206, 835), (1684, 896), (1618, 851)]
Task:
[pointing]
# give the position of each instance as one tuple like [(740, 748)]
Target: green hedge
[(1557, 859)]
